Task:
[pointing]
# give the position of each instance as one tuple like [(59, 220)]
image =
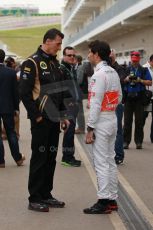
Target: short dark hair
[(151, 58), (102, 48), (52, 33), (2, 56), (9, 61), (67, 48)]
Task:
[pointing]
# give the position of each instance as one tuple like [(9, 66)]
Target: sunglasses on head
[(70, 55), (137, 55)]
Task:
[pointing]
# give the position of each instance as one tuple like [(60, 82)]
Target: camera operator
[(138, 77)]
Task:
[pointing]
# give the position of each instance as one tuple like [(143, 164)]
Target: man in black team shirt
[(41, 73)]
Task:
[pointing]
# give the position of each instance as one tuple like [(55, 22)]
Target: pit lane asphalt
[(72, 185), (76, 186)]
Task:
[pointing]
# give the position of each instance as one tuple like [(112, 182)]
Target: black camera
[(133, 79)]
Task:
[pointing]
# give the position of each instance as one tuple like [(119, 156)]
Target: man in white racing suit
[(104, 96)]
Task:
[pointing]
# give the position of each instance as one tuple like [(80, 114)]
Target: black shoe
[(118, 161), (98, 208), (2, 165), (38, 206), (20, 162), (125, 146), (54, 203), (73, 162), (113, 205), (139, 146)]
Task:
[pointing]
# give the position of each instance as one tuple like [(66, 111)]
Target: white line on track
[(114, 217), (147, 214)]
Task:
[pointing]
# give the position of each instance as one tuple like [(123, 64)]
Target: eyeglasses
[(70, 55)]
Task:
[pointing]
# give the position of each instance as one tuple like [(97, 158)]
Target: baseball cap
[(135, 56)]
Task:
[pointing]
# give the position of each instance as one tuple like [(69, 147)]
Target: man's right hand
[(127, 79), (90, 137), (39, 119)]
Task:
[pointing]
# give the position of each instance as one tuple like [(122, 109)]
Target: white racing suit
[(104, 96)]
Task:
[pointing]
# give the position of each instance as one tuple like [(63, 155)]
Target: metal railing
[(72, 11), (112, 12)]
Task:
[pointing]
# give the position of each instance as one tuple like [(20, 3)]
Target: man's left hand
[(65, 125)]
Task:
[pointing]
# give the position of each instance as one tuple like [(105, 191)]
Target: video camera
[(133, 79)]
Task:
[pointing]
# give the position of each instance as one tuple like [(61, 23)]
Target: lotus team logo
[(43, 65)]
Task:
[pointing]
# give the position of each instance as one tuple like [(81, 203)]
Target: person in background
[(104, 95), (69, 72), (10, 62), (119, 150), (9, 106), (41, 76), (149, 65), (80, 78), (135, 82), (86, 70)]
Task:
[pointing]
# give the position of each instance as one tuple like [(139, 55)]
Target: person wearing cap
[(40, 92), (149, 65), (137, 78)]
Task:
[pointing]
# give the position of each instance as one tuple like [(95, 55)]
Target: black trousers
[(145, 115), (68, 142), (44, 145), (133, 108)]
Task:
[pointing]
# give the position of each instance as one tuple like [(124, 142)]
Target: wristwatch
[(89, 129), (142, 81)]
